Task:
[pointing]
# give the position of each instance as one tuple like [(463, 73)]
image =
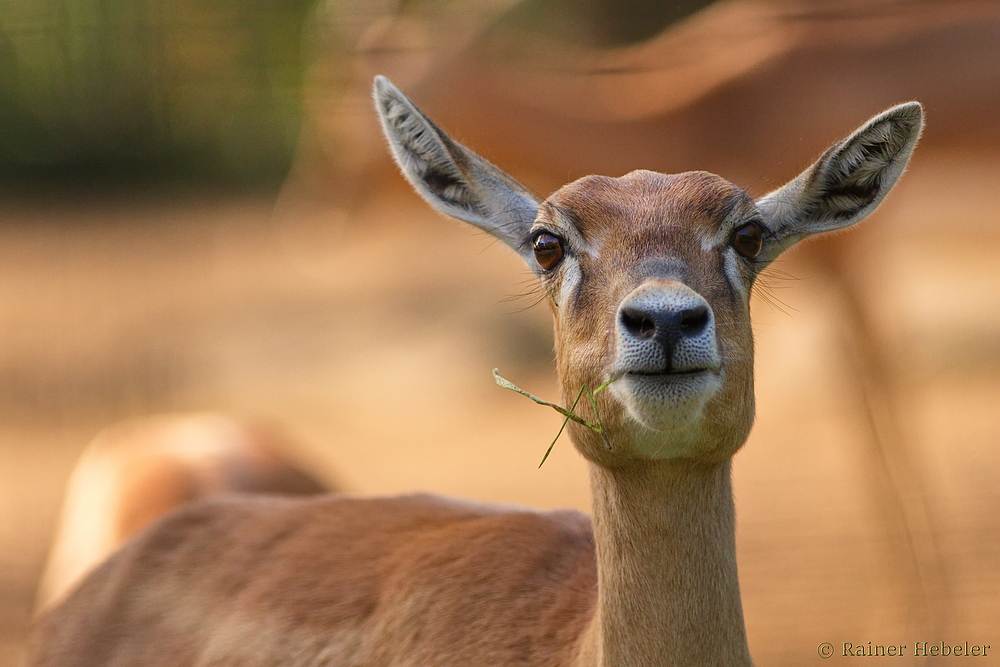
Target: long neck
[(668, 592)]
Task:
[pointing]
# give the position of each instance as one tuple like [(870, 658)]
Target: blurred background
[(197, 212)]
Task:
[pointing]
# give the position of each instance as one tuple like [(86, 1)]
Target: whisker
[(764, 287), (534, 293)]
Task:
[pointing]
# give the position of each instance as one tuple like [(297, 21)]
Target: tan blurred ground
[(867, 496)]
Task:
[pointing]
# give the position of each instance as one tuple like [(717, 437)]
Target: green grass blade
[(569, 414), (561, 429)]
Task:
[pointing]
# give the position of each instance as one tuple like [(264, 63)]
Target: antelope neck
[(668, 592)]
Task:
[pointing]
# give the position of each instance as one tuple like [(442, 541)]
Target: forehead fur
[(644, 197)]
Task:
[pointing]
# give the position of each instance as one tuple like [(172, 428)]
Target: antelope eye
[(548, 250), (748, 240)]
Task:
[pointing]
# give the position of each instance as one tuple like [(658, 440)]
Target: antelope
[(649, 278), (135, 471)]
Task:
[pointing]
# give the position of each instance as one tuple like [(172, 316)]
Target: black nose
[(665, 325)]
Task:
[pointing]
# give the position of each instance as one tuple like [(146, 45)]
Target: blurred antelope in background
[(133, 473), (649, 278)]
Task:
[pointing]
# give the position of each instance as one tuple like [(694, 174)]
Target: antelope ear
[(845, 184), (453, 179)]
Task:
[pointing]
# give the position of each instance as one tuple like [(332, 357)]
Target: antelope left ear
[(452, 178), (846, 184)]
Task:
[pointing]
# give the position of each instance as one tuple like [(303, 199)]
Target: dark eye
[(548, 250), (748, 240)]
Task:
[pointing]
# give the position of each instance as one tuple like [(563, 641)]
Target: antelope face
[(649, 277)]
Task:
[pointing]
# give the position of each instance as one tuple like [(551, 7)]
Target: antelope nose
[(664, 326), (667, 324)]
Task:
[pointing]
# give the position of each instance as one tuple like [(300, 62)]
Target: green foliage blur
[(105, 93)]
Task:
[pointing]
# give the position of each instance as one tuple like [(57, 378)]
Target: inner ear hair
[(847, 183), (425, 154), (853, 175), (452, 178)]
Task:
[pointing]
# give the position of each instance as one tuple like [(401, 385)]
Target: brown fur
[(389, 585)]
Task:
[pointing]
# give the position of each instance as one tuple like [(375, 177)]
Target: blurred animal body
[(649, 278), (133, 473)]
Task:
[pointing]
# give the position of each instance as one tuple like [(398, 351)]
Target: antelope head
[(649, 275)]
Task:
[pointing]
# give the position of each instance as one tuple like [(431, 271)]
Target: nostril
[(693, 321), (638, 323)]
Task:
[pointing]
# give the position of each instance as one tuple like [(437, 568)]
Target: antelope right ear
[(846, 184), (453, 179)]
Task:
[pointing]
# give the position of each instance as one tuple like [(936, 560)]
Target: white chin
[(666, 402)]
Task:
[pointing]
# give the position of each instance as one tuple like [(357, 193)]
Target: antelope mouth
[(659, 388), (665, 400), (671, 373)]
